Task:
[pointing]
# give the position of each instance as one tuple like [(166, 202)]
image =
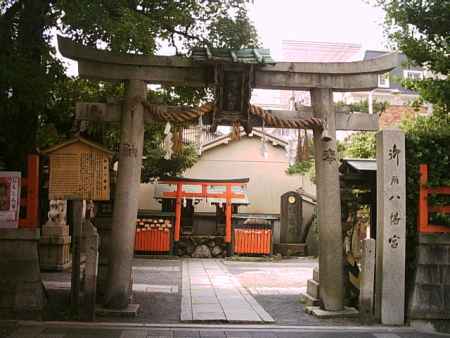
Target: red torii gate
[(227, 195)]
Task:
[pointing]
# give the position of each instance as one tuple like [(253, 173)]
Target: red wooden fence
[(252, 241), (30, 188), (425, 209), (152, 240)]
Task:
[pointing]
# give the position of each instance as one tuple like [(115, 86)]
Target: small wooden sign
[(79, 170), (9, 199)]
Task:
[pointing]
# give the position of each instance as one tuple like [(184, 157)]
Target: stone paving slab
[(276, 291), (157, 268), (138, 287), (91, 330), (211, 293)]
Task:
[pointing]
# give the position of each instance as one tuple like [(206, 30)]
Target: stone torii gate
[(321, 79)]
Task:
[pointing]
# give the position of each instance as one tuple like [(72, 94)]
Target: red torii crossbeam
[(228, 196)]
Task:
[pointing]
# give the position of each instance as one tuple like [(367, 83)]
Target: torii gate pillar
[(126, 197), (329, 203)]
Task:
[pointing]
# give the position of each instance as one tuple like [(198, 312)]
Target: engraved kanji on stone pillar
[(391, 227)]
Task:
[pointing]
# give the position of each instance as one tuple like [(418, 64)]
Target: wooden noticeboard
[(79, 169)]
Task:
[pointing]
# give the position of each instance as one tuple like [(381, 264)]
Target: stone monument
[(391, 227), (291, 225), (54, 245)]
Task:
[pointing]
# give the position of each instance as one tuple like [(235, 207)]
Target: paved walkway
[(211, 293), (104, 330)]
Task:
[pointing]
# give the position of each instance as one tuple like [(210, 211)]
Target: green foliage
[(358, 145), (29, 76), (142, 26), (427, 142), (37, 99), (154, 164), (421, 30), (303, 168), (363, 106)]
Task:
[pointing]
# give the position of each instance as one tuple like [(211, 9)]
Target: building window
[(413, 74), (383, 80)]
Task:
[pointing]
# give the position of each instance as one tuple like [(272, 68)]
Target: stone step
[(308, 300), (312, 288), (316, 274)]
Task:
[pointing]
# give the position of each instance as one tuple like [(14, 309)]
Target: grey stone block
[(348, 312), (429, 297), (445, 274), (29, 296), (20, 234), (428, 274), (436, 239), (316, 274), (308, 300), (21, 292), (446, 302), (432, 254), (130, 312), (313, 288), (20, 270)]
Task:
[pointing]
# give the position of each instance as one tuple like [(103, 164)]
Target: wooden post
[(367, 281), (178, 212), (31, 182), (33, 190), (423, 197), (228, 214), (77, 224)]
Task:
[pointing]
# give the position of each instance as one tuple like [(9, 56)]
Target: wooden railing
[(425, 208), (30, 188), (252, 241), (152, 240), (153, 235)]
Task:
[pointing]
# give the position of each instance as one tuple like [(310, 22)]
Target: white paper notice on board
[(9, 199)]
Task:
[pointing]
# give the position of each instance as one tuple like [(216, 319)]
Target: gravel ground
[(273, 277), (156, 307), (287, 310)]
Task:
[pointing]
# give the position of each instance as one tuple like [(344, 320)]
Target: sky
[(352, 21)]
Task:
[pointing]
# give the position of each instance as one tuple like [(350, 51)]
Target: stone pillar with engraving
[(291, 226), (391, 227), (54, 245)]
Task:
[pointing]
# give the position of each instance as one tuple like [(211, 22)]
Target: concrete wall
[(238, 159), (430, 291)]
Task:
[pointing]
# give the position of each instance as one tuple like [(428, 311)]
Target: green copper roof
[(222, 55)]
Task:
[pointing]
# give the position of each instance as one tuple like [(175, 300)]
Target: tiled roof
[(249, 56), (306, 51), (361, 164)]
